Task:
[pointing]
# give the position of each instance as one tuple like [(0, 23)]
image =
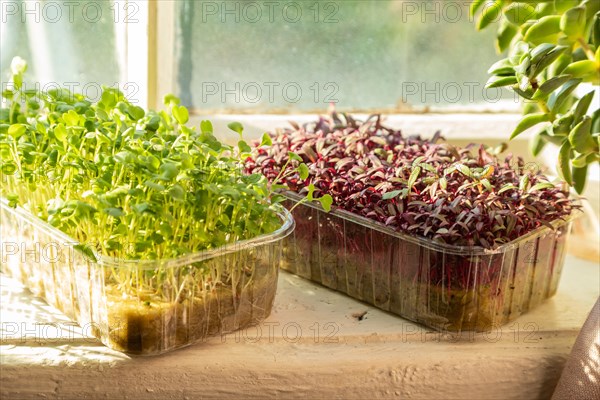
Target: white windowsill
[(379, 356)]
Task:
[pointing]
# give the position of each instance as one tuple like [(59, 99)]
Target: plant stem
[(588, 51)]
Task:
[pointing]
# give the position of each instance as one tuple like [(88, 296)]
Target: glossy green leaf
[(582, 107), (552, 84), (518, 13), (559, 65), (564, 167), (581, 138), (502, 68), (572, 22), (474, 6), (559, 97), (546, 60), (563, 5), (582, 68), (500, 81), (491, 12), (529, 121), (543, 28), (579, 178), (506, 33)]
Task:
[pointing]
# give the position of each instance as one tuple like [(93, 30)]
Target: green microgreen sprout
[(126, 183)]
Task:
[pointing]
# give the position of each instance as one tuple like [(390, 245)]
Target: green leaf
[(244, 147), (114, 212), (564, 167), (60, 132), (303, 171), (546, 60), (326, 202), (443, 183), (236, 127), (518, 13), (168, 171), (17, 130), (136, 113), (579, 178), (475, 5), (177, 192), (581, 69), (414, 175), (526, 94), (581, 138), (500, 81), (562, 125), (524, 183), (109, 99), (266, 140), (596, 35), (529, 121), (541, 186), (506, 33), (491, 12), (506, 188), (487, 184), (558, 98), (171, 100), (552, 84), (562, 62), (572, 22), (563, 5), (582, 107), (181, 114), (391, 195), (584, 159), (294, 156), (543, 28), (206, 127), (502, 68)]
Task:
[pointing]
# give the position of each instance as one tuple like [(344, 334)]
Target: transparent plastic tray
[(145, 307), (445, 287)]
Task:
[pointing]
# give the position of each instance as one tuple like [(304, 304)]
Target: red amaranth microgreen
[(460, 196)]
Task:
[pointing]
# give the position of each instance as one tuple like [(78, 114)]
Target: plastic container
[(145, 307), (445, 287)]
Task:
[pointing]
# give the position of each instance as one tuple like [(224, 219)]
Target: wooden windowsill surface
[(315, 344)]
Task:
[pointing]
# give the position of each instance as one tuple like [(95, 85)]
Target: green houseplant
[(148, 231), (553, 48)]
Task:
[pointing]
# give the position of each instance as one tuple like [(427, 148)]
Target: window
[(68, 44), (301, 55), (263, 56)]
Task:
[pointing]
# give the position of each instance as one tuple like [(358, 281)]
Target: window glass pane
[(389, 55), (68, 44)]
